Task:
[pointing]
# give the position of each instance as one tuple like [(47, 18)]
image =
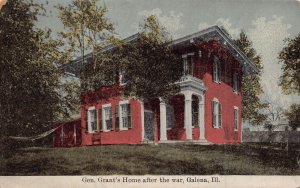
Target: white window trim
[(217, 63), (104, 127), (200, 53), (236, 108), (121, 128), (186, 54), (121, 74), (184, 57), (89, 118), (217, 115)]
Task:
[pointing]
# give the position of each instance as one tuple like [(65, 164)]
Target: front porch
[(179, 119)]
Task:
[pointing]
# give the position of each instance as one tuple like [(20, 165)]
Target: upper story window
[(123, 116), (188, 64), (236, 118), (170, 116), (216, 114), (217, 70), (122, 77), (107, 117), (235, 80), (92, 120)]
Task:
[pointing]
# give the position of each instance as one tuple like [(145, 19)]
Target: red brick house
[(206, 110)]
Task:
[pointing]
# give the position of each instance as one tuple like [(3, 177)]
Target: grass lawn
[(146, 159)]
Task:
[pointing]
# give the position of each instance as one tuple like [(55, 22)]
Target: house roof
[(211, 33), (220, 34)]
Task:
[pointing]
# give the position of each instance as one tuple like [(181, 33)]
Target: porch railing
[(190, 78), (191, 83)]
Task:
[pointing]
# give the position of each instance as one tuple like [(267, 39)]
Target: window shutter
[(237, 82), (190, 64), (111, 117), (229, 74), (129, 117), (233, 83), (220, 115), (184, 66), (95, 128), (100, 119), (213, 113), (117, 118), (86, 121), (219, 71), (225, 72), (235, 119), (214, 70)]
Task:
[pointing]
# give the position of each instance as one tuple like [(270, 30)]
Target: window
[(107, 117), (170, 116), (188, 64), (92, 120), (216, 114), (217, 70), (122, 76), (195, 112), (235, 82), (124, 116), (236, 118)]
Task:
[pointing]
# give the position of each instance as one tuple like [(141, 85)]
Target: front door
[(149, 125)]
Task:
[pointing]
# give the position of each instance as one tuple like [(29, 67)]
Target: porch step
[(202, 142), (148, 142), (196, 142)]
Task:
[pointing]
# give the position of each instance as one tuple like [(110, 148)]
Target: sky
[(266, 22)]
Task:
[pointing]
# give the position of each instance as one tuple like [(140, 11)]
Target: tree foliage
[(30, 101), (150, 65), (290, 79), (87, 28), (290, 58), (274, 115), (293, 115), (147, 63), (252, 88)]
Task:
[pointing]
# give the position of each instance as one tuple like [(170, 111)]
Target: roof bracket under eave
[(217, 33)]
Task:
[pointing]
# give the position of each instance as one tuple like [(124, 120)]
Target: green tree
[(29, 91), (88, 30), (142, 61), (252, 105), (290, 58), (290, 79), (151, 67), (293, 114)]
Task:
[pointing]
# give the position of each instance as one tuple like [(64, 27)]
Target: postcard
[(136, 93)]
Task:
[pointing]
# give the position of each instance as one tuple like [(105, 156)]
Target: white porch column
[(163, 120), (201, 119), (188, 115)]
